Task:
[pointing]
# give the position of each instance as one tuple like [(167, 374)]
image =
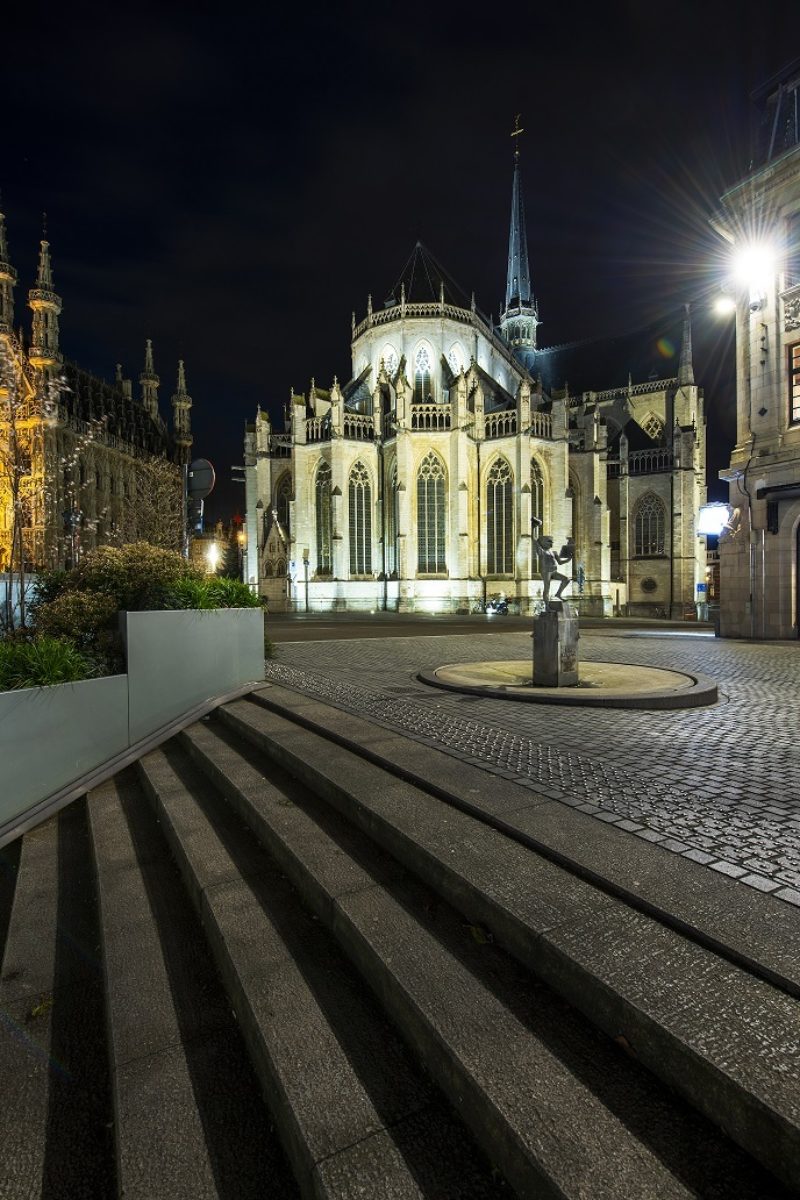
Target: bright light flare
[(754, 266), (713, 518), (724, 306), (212, 556)]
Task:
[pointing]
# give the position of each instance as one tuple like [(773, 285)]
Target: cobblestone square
[(718, 785)]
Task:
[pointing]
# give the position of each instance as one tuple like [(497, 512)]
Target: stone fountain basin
[(600, 685)]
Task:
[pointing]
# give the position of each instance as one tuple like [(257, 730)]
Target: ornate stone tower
[(520, 316), (149, 383), (46, 305), (8, 279), (181, 418)]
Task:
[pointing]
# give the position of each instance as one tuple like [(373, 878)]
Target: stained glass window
[(431, 522), (360, 505), (499, 520)]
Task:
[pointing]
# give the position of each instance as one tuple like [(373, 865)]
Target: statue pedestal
[(555, 647)]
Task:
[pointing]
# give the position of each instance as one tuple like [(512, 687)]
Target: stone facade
[(760, 218), (76, 442), (412, 487)]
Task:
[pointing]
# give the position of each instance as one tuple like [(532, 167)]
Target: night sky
[(234, 185)]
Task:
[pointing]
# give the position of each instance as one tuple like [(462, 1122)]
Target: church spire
[(149, 382), (520, 316), (181, 418), (8, 279), (685, 367), (518, 283), (46, 306)]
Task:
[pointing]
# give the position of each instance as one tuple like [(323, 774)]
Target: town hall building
[(412, 486)]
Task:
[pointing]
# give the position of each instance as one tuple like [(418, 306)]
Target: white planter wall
[(176, 660), (50, 736)]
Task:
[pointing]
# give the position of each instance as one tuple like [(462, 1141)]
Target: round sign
[(201, 479)]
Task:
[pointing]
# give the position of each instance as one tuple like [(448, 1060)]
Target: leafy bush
[(41, 662), (188, 593), (49, 584), (231, 593), (212, 591), (137, 575), (78, 616), (81, 605)]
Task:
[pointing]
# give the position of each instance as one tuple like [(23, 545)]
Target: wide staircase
[(261, 964)]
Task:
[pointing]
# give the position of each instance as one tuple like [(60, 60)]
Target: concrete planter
[(52, 736), (176, 660)]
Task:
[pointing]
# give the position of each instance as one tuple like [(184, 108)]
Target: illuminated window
[(360, 504), (283, 494), (392, 502), (537, 491), (455, 359), (390, 361), (794, 383), (649, 527), (322, 496), (431, 517), (499, 520), (422, 375)]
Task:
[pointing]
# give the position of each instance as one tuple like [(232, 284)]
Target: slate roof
[(652, 352)]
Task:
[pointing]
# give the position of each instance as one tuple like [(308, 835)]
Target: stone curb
[(703, 691)]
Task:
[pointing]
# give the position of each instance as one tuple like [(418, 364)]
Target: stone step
[(54, 1114), (188, 1117), (545, 1095), (725, 1040), (356, 1116)]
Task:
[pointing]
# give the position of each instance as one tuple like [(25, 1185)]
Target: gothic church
[(72, 446), (412, 487)]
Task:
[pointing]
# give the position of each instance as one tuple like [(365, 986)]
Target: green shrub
[(231, 593), (137, 576), (188, 593), (40, 663), (78, 616), (49, 584), (211, 591)]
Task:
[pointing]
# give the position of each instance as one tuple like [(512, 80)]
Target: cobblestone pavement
[(719, 785)]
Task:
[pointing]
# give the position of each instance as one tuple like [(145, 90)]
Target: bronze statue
[(549, 561)]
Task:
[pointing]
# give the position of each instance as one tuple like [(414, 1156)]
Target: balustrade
[(358, 427), (430, 416), (649, 462)]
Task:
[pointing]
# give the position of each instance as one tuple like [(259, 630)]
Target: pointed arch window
[(283, 494), (422, 375), (392, 502), (431, 514), (500, 520), (649, 523), (576, 525), (537, 491), (360, 507), (324, 519)]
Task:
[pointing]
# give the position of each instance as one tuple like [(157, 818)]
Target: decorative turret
[(8, 279), (46, 305), (181, 417), (520, 316), (149, 382)]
